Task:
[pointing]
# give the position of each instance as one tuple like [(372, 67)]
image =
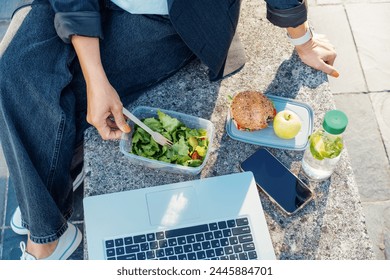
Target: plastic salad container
[(192, 122)]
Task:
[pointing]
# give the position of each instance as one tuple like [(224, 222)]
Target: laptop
[(219, 218)]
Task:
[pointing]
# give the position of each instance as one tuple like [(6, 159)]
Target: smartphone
[(277, 181)]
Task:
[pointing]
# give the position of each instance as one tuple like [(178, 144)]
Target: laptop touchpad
[(172, 207)]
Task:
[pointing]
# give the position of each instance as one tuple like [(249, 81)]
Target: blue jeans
[(43, 100)]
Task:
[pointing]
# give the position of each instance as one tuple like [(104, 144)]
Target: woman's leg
[(37, 120), (43, 104)]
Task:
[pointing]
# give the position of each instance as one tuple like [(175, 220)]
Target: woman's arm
[(103, 100), (77, 17), (292, 15), (317, 52)]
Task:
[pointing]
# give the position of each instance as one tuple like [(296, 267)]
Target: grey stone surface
[(381, 104), (374, 24), (367, 152), (372, 41), (387, 232), (332, 226), (378, 225), (333, 21), (387, 246)]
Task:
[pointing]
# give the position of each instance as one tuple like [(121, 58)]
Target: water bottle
[(325, 146)]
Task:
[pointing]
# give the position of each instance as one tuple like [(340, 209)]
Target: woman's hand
[(317, 52), (104, 108)]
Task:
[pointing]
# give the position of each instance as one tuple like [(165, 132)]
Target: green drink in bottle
[(325, 146)]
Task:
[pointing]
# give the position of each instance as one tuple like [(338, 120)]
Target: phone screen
[(288, 191)]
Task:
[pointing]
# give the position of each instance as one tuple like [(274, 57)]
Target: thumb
[(329, 69), (120, 120)]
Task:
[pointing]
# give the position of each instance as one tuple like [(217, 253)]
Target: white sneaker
[(67, 244), (16, 219), (16, 223)]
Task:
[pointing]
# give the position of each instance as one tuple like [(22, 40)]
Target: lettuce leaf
[(189, 145), (169, 124)]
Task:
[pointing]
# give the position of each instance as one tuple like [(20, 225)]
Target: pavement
[(359, 29)]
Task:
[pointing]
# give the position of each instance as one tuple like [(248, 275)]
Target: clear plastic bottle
[(325, 147)]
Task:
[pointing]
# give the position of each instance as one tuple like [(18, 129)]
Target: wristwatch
[(301, 40)]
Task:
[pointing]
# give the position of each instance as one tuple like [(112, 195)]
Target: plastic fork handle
[(137, 121)]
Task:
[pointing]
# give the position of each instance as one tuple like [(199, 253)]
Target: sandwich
[(251, 110)]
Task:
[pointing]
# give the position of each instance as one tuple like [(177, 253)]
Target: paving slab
[(381, 103), (333, 22), (378, 226), (387, 232), (370, 24), (365, 147), (387, 245)]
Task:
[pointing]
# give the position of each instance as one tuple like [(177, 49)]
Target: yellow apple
[(287, 124)]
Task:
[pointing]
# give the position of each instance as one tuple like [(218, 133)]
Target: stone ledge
[(330, 227)]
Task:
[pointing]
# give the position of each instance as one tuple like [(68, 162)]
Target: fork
[(155, 135)]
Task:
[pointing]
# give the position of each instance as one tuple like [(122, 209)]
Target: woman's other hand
[(104, 108)]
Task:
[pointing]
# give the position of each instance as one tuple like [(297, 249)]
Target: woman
[(67, 64)]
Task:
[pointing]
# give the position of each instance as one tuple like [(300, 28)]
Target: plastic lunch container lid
[(335, 122), (267, 137)]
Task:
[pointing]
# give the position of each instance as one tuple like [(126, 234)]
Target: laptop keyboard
[(222, 240)]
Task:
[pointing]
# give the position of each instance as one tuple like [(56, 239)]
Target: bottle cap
[(335, 122)]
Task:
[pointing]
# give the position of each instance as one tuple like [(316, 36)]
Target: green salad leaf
[(189, 145)]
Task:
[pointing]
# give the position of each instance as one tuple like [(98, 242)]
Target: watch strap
[(301, 40)]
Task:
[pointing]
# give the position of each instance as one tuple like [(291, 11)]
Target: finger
[(109, 133), (106, 132), (111, 123), (115, 134), (120, 119), (328, 69), (329, 59)]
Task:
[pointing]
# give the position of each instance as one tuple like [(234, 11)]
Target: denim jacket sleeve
[(81, 17), (287, 13)]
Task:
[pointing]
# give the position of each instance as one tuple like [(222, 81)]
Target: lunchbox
[(192, 122)]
